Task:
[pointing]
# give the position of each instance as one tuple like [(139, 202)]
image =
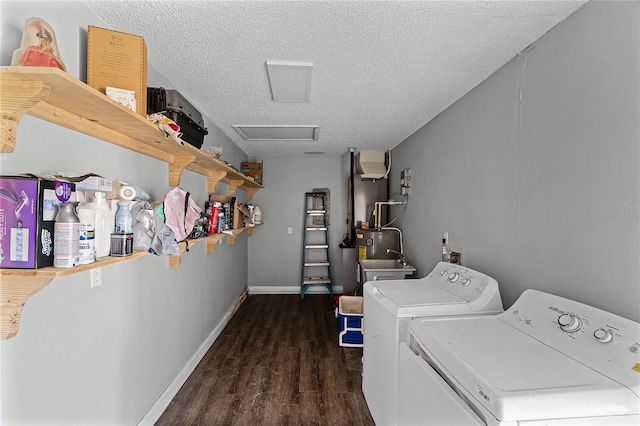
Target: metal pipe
[(350, 241)]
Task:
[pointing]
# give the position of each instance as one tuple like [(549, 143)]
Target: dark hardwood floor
[(277, 362)]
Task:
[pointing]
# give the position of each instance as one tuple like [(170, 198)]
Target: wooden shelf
[(174, 261), (17, 285), (53, 95), (212, 240)]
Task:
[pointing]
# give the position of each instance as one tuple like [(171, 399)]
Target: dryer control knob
[(443, 273), (569, 323), (602, 335), (466, 281), (453, 277)]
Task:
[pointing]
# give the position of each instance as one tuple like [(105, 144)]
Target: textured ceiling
[(382, 69)]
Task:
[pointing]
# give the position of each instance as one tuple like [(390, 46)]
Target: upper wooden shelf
[(53, 95)]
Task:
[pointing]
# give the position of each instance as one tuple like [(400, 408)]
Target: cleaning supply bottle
[(103, 223), (124, 221), (87, 234), (66, 236), (213, 218), (257, 215)]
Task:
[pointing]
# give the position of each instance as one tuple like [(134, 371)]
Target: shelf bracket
[(211, 245), (14, 292), (176, 259), (250, 192), (234, 234), (18, 97), (213, 177), (233, 185), (177, 166)]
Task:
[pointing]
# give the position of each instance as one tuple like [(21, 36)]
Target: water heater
[(373, 244)]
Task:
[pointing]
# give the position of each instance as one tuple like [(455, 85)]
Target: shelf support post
[(14, 292), (18, 97)]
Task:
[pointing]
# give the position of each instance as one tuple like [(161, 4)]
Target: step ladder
[(316, 263)]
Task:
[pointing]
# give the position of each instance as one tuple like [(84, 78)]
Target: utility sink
[(384, 269)]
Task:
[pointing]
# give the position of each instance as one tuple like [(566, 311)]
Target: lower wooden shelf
[(174, 261), (18, 285)]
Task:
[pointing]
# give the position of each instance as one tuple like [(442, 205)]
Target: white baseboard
[(171, 391), (292, 290)]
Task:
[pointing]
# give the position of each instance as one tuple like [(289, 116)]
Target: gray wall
[(275, 256), (105, 355), (535, 173)]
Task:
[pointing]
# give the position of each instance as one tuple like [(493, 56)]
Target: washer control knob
[(602, 335), (453, 277), (569, 323), (466, 281), (443, 273)]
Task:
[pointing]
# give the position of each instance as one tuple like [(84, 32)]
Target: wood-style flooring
[(277, 362)]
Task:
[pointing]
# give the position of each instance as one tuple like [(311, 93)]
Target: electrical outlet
[(289, 230), (96, 277)]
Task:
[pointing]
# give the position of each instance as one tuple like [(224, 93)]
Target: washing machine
[(388, 306), (547, 360)]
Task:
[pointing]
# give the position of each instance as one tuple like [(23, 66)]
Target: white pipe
[(400, 234), (377, 210)]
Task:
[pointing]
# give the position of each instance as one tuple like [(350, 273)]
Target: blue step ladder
[(316, 263)]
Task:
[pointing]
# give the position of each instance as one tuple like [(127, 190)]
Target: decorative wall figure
[(38, 47)]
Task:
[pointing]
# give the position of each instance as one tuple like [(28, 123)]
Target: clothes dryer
[(547, 360), (449, 290)]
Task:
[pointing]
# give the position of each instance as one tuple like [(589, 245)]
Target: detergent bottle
[(104, 223)]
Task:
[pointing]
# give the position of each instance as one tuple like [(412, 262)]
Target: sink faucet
[(401, 257), (400, 253)]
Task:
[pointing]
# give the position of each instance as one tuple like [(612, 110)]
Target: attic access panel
[(277, 133), (290, 81)]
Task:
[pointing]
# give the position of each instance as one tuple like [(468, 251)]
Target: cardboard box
[(118, 60), (90, 182), (253, 170), (28, 207), (350, 315)]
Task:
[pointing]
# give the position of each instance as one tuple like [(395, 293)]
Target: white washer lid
[(415, 298), (516, 377)]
